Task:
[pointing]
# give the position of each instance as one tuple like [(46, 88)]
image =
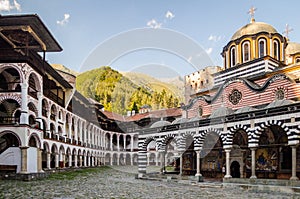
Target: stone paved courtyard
[(120, 182)]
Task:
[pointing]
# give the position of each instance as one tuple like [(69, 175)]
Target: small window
[(276, 49), (298, 60), (246, 51), (262, 48), (200, 111), (232, 56)]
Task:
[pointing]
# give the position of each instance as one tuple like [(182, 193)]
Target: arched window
[(200, 111), (261, 48), (246, 51), (232, 57), (276, 49), (297, 59)]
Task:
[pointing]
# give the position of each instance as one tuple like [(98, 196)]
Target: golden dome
[(292, 48), (253, 28)]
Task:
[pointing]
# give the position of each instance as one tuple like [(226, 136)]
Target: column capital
[(253, 148), (227, 150)]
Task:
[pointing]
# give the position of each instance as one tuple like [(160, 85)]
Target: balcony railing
[(9, 120)]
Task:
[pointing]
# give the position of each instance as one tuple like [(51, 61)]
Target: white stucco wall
[(11, 156), (32, 160)]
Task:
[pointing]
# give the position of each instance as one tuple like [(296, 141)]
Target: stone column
[(124, 142), (75, 161), (253, 163), (23, 159), (48, 160), (294, 163), (131, 159), (111, 142), (156, 159), (198, 164), (118, 159), (181, 163), (39, 160), (118, 142), (24, 107), (80, 161), (39, 116), (70, 130), (70, 160), (111, 160), (227, 151), (132, 140), (56, 160)]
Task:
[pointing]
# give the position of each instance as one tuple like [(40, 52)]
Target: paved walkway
[(119, 182)]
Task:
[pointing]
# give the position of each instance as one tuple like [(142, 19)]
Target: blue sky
[(95, 33)]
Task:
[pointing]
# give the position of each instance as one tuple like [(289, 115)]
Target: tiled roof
[(171, 112)]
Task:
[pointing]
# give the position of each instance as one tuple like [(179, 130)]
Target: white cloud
[(169, 15), (209, 51), (154, 24), (7, 5), (64, 21), (214, 38)]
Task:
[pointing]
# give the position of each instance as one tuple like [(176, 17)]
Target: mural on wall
[(266, 159)]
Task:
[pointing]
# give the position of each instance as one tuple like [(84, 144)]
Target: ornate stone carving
[(279, 94), (235, 96)]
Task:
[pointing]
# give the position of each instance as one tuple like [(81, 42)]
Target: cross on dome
[(252, 12), (287, 31)]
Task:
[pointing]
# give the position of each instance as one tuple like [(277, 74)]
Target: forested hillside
[(120, 93)]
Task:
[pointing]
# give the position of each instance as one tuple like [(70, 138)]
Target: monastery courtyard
[(120, 182)]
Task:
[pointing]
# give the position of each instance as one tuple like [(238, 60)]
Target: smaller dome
[(277, 103), (195, 119), (253, 28), (292, 48), (160, 124), (221, 112), (180, 120), (245, 109)]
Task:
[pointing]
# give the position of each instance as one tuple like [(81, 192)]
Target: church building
[(242, 119)]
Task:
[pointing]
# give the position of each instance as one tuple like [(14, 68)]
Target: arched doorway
[(189, 157), (212, 156), (241, 153), (274, 156), (235, 169), (7, 140)]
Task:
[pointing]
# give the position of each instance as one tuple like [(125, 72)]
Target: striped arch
[(218, 132), (11, 96), (199, 139), (166, 139), (37, 140), (46, 147), (17, 67), (147, 141), (182, 139), (222, 136), (260, 129), (233, 130)]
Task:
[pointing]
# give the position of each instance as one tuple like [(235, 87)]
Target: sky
[(163, 38)]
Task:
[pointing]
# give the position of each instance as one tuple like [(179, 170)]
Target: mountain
[(120, 92), (64, 69), (171, 85)]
